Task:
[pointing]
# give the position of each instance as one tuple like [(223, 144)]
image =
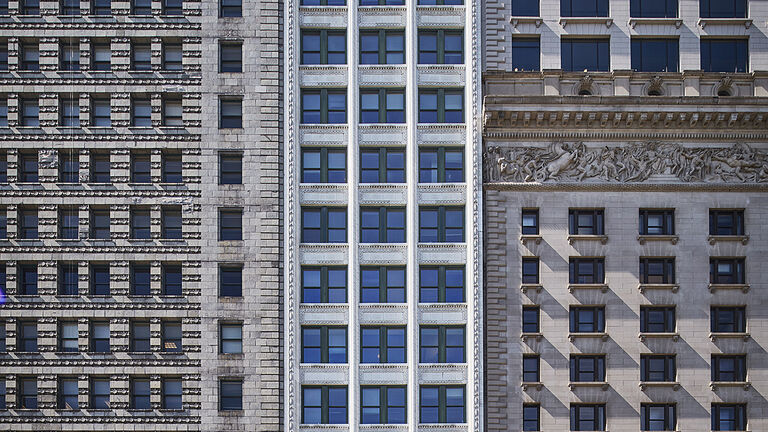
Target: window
[(171, 279), (172, 394), (141, 7), (729, 368), (382, 106), (171, 331), (585, 222), (323, 47), (172, 114), (172, 54), (141, 55), (657, 367), (98, 394), (231, 281), (653, 8), (724, 55), (231, 338), (70, 54), (729, 417), (585, 55), (441, 284), (323, 2), (324, 344), (324, 106), (382, 47), (4, 123), (440, 2), (726, 270), (99, 280), (30, 56), (657, 319), (3, 225), (101, 54), (69, 166), (173, 7), (30, 113), (140, 224), (587, 417), (383, 405), (584, 8), (230, 224), (382, 2), (101, 112), (70, 113), (531, 368), (382, 165), (382, 284), (26, 336), (587, 319), (728, 319), (441, 47), (530, 222), (230, 394), (657, 417), (69, 223), (441, 165), (231, 116), (531, 417), (141, 112), (382, 225), (29, 7), (441, 344), (587, 368), (441, 106), (323, 285), (230, 56), (323, 165), (525, 8), (657, 222), (171, 219), (587, 270), (657, 270), (101, 7), (526, 53), (68, 279), (230, 168), (655, 55), (140, 394), (441, 224), (530, 319), (67, 394), (230, 8), (140, 336), (442, 404), (3, 347), (723, 8), (726, 222), (99, 333), (27, 223), (99, 224), (27, 279), (27, 392), (140, 279), (324, 405), (3, 11), (323, 225), (382, 344), (530, 270), (172, 171)]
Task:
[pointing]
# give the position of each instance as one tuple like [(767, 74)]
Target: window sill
[(714, 385), (659, 384), (536, 385), (536, 336), (714, 287), (670, 238), (608, 22), (574, 287), (573, 336), (603, 239), (746, 22), (722, 335), (525, 287), (633, 22), (231, 356), (517, 20), (525, 238), (576, 384), (646, 335), (658, 287), (713, 239)]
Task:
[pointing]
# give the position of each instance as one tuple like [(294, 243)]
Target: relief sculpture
[(575, 162)]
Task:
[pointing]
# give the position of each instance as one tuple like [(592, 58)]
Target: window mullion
[(325, 404), (324, 106), (382, 105), (441, 105), (442, 402), (324, 344), (382, 284), (441, 46), (382, 224), (383, 404), (441, 164), (323, 46), (324, 165), (324, 284), (441, 284), (441, 224), (382, 165), (382, 47), (383, 344)]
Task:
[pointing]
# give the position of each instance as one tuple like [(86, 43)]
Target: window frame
[(69, 53), (738, 270), (171, 106), (25, 273), (137, 340), (96, 230), (324, 52), (736, 227), (169, 395), (525, 323), (667, 221), (66, 398), (382, 37), (383, 110), (324, 109), (325, 404), (96, 399), (528, 277), (739, 319), (27, 335), (597, 226), (172, 167), (533, 360), (139, 229), (441, 109), (384, 406), (670, 10), (98, 65), (235, 175), (383, 170), (440, 45), (600, 44), (529, 229), (668, 270), (168, 338), (229, 340), (740, 9), (141, 167), (442, 407), (668, 319), (598, 319), (173, 10), (740, 46), (137, 400), (233, 10), (67, 279), (235, 397), (669, 421), (231, 121), (63, 340), (442, 234), (593, 371), (740, 368), (230, 65), (567, 9), (95, 174), (739, 419), (520, 46), (638, 47), (28, 105), (442, 344), (227, 233), (230, 268), (528, 423), (442, 283), (384, 287), (325, 346), (597, 275), (141, 56), (93, 341), (669, 371), (325, 288), (68, 223), (383, 347), (325, 172), (383, 231), (441, 172), (598, 415), (69, 113), (25, 398), (171, 231), (324, 229)]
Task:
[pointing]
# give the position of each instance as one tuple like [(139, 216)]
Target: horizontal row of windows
[(98, 7), (380, 2), (637, 8)]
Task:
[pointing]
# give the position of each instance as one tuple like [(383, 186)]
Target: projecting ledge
[(713, 239), (574, 336), (574, 287), (659, 384), (603, 385), (668, 287), (714, 287), (674, 336), (531, 385), (646, 238), (714, 385), (603, 239), (528, 238), (722, 335)]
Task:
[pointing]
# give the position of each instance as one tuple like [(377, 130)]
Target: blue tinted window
[(430, 405), (653, 8), (525, 7), (395, 166), (584, 8), (655, 55), (312, 406), (723, 8), (585, 54), (396, 398), (525, 54), (311, 345), (337, 405), (724, 55), (310, 48)]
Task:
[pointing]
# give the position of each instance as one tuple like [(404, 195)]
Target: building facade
[(624, 207)]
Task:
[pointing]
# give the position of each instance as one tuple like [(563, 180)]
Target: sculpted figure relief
[(634, 163)]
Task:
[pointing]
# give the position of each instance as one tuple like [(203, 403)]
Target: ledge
[(645, 335), (575, 384), (525, 287), (746, 22), (714, 385), (633, 22), (537, 385), (715, 287), (517, 20), (659, 384), (525, 336), (670, 287), (574, 287), (525, 238), (713, 239), (586, 20), (670, 238), (722, 335), (572, 336), (603, 239)]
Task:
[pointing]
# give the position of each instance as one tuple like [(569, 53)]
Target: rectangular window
[(101, 7), (141, 7), (140, 279), (441, 165), (172, 55), (441, 224), (172, 170), (98, 394), (171, 279), (101, 112), (657, 417), (728, 319), (323, 2), (323, 285), (230, 224), (30, 113), (68, 336), (68, 279), (442, 344), (27, 221), (587, 319), (66, 394), (724, 55), (723, 8), (382, 47), (382, 225), (530, 319), (171, 222), (655, 55), (230, 8), (230, 168), (323, 106), (440, 2), (587, 368), (382, 2), (29, 7), (3, 225), (141, 112), (99, 224), (231, 113), (70, 53), (324, 405), (69, 166), (586, 222), (585, 55), (140, 224), (587, 270), (99, 336), (27, 392), (231, 338), (729, 368), (69, 223), (26, 336), (27, 279), (657, 367), (70, 113), (231, 281), (726, 271), (172, 113), (230, 56), (3, 347), (383, 405), (526, 53), (173, 7), (726, 222), (531, 368), (323, 225), (441, 106), (230, 394), (172, 390), (171, 331), (141, 56), (382, 344), (729, 417), (441, 284), (657, 222), (323, 47), (442, 404), (382, 106), (382, 284), (653, 8), (140, 339), (530, 268), (101, 53), (441, 47), (382, 165), (587, 417), (657, 270), (584, 8), (323, 344), (323, 165), (657, 319), (30, 56), (4, 123), (531, 417), (525, 8), (530, 222), (99, 280), (140, 394)]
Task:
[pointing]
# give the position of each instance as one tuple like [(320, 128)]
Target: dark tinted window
[(655, 55), (653, 8), (526, 54), (100, 168), (724, 55), (585, 54), (525, 8), (584, 8), (723, 8)]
